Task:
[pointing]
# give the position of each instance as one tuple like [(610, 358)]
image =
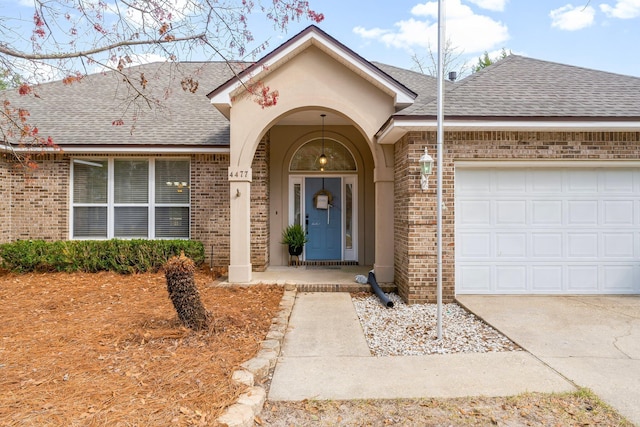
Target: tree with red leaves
[(72, 38)]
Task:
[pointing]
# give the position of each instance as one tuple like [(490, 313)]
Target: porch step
[(343, 287)]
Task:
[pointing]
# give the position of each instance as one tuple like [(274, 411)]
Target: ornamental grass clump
[(179, 272)]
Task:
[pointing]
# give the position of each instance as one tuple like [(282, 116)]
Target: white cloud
[(495, 5), (468, 31), (623, 9), (572, 18), (166, 10), (36, 71), (136, 59)]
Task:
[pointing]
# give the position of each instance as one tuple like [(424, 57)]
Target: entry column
[(384, 262), (240, 233)]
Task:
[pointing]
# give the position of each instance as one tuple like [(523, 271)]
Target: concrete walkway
[(592, 340), (325, 356)]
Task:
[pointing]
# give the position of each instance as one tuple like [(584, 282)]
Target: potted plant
[(295, 237)]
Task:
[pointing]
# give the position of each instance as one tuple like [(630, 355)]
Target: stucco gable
[(222, 97)]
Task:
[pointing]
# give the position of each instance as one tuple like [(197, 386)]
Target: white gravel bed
[(411, 330)]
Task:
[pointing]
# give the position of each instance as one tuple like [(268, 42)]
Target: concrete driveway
[(593, 341)]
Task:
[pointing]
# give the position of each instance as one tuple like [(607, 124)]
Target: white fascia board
[(120, 150), (397, 128), (528, 163), (402, 98)]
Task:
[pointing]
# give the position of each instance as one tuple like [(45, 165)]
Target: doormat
[(323, 267)]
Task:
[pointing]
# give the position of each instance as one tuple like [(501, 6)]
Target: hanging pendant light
[(322, 159)]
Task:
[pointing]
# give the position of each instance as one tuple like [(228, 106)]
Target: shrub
[(184, 294), (121, 256)]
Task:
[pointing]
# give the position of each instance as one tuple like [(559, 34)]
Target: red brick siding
[(260, 207), (210, 205), (415, 221), (210, 216), (39, 207), (5, 200)]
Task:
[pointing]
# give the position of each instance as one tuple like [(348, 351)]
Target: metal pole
[(440, 138)]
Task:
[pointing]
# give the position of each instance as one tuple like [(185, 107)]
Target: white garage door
[(547, 230)]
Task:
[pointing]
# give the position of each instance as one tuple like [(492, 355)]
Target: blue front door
[(323, 220)]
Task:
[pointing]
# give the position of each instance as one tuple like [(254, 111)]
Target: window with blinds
[(130, 198)]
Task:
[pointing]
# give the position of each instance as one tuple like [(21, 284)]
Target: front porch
[(314, 278)]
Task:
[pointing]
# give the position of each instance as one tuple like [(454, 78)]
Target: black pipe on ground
[(374, 285)]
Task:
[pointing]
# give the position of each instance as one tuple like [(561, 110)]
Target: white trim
[(146, 151), (350, 254), (402, 97), (515, 163), (151, 205), (395, 129)]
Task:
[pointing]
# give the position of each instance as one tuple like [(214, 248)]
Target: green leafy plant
[(294, 236), (120, 256)]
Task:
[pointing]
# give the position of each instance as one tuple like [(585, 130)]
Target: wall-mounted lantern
[(426, 168)]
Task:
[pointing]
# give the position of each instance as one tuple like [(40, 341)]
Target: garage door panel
[(474, 212), (582, 212), (510, 278), (473, 182), (549, 182), (582, 278), (475, 245), (546, 278), (511, 181), (511, 212), (548, 230), (618, 245), (511, 245), (546, 245), (476, 278), (617, 212), (581, 181), (618, 278), (546, 212), (618, 181), (582, 245)]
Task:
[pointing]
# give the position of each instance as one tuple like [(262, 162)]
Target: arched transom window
[(339, 158)]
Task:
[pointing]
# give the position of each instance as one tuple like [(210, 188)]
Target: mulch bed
[(106, 349)]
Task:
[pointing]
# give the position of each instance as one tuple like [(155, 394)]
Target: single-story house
[(541, 168)]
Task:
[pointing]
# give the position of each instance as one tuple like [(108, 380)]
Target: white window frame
[(111, 205)]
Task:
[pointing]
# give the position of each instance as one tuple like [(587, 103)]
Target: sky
[(598, 34)]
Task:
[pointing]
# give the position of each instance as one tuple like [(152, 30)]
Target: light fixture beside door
[(323, 159)]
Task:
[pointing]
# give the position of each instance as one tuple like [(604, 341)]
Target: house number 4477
[(239, 174)]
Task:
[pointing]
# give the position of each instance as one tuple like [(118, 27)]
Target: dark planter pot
[(295, 251)]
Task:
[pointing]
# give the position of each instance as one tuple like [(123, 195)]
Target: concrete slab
[(592, 340), (324, 324), (325, 356), (456, 375)]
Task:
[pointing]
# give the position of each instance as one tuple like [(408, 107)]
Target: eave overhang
[(146, 150), (397, 126)]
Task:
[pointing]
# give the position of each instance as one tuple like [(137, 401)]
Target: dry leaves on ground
[(106, 349), (571, 409)]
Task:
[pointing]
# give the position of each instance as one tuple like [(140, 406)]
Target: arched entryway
[(311, 72), (323, 199)]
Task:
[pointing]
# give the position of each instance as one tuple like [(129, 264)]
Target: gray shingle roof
[(83, 112), (524, 87), (515, 87)]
